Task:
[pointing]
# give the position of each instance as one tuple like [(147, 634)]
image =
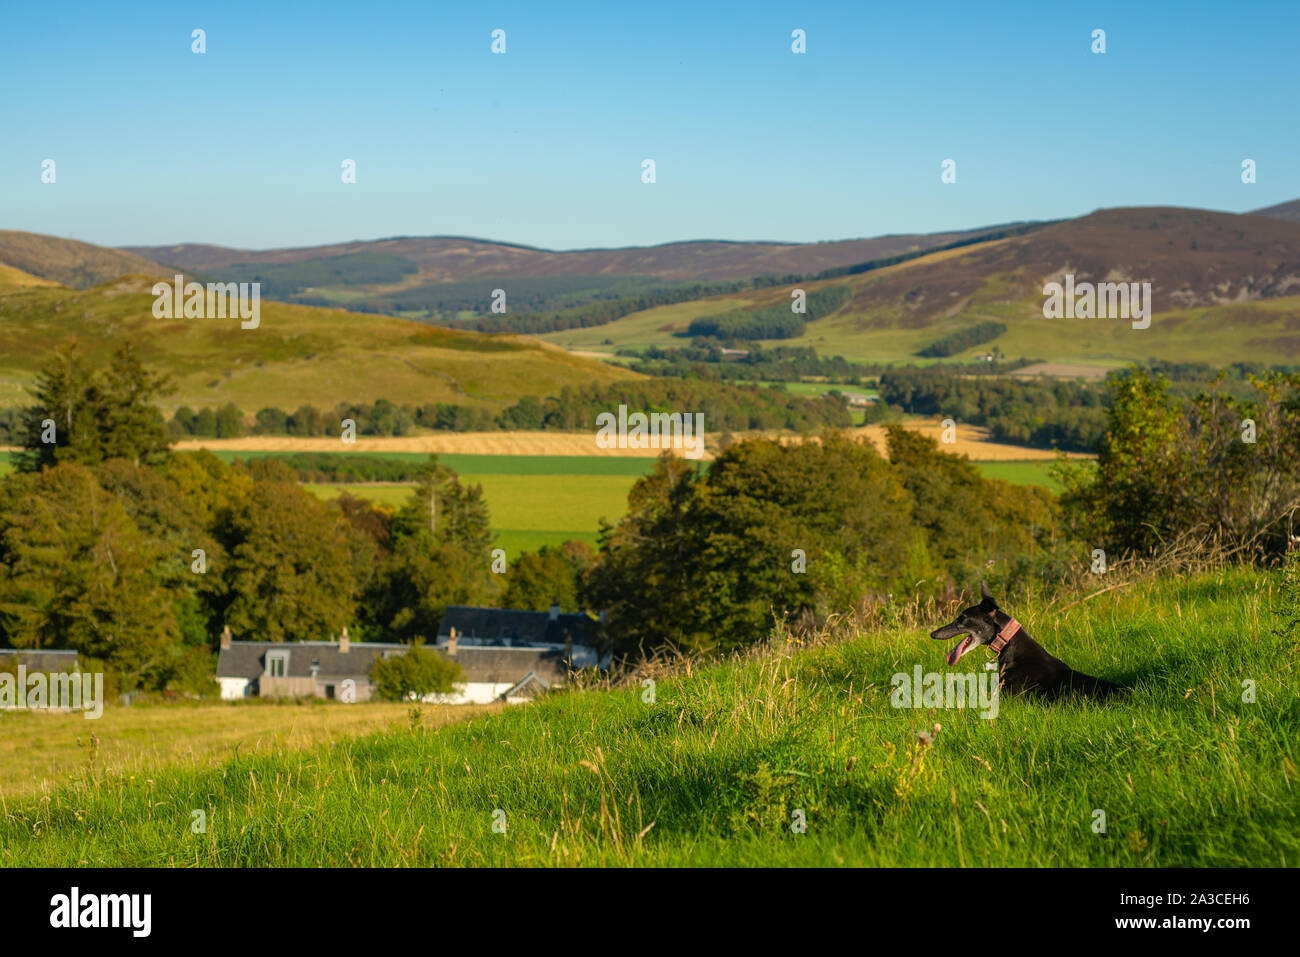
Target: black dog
[(1024, 667)]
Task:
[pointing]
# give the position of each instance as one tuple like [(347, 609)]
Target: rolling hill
[(453, 280), (68, 261), (1289, 211), (456, 258), (297, 355), (1224, 287)]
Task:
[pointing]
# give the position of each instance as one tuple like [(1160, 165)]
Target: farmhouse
[(506, 655)]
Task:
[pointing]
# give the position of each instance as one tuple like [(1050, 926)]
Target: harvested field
[(1062, 370), (971, 440)]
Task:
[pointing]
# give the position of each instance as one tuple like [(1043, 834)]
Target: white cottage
[(506, 655)]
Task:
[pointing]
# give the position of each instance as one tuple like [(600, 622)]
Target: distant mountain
[(69, 262), (1224, 287), (1192, 257), (1289, 211), (449, 280), (457, 258)]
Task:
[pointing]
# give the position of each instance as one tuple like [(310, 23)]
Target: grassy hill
[(712, 770), (1224, 287), (298, 354), (69, 262)]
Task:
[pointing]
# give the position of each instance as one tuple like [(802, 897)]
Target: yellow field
[(971, 440), (40, 750), (463, 443)]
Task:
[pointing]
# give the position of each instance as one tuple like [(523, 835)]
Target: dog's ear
[(987, 595)]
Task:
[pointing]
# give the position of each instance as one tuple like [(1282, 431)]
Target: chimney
[(555, 609), (451, 642), (344, 641), (225, 636)]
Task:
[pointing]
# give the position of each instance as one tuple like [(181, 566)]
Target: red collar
[(1005, 635)]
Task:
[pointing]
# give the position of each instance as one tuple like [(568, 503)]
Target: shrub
[(418, 672)]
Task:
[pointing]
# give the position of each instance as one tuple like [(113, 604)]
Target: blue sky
[(242, 145)]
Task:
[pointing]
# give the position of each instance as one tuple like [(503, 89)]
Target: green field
[(1020, 473), (715, 769), (465, 464), (533, 500), (527, 510)]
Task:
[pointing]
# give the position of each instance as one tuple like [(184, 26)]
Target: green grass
[(1020, 473), (812, 389), (528, 509), (381, 495), (39, 751), (713, 770), (465, 464), (297, 355)]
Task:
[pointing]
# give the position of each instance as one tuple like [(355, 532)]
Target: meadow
[(532, 500), (1021, 473), (527, 510), (723, 761), (41, 751)]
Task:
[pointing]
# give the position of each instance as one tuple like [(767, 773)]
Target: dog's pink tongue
[(959, 650)]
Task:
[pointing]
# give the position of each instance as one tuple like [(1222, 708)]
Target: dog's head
[(978, 624)]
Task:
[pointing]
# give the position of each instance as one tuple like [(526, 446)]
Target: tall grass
[(715, 767)]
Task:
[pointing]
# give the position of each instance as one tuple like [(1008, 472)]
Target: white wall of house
[(233, 688), (472, 692)]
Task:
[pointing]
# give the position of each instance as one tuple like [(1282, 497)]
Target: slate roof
[(531, 686), (247, 659), (496, 663), (500, 664), (508, 626), (46, 660)]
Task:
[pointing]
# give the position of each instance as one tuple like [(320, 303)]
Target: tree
[(417, 673), (536, 579), (967, 519), (77, 572), (643, 578), (1217, 465), (94, 416), (271, 421), (440, 556), (291, 572), (229, 422), (836, 501)]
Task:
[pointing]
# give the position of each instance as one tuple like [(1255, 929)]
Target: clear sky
[(543, 145)]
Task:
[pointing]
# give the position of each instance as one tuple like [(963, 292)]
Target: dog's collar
[(1005, 635)]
